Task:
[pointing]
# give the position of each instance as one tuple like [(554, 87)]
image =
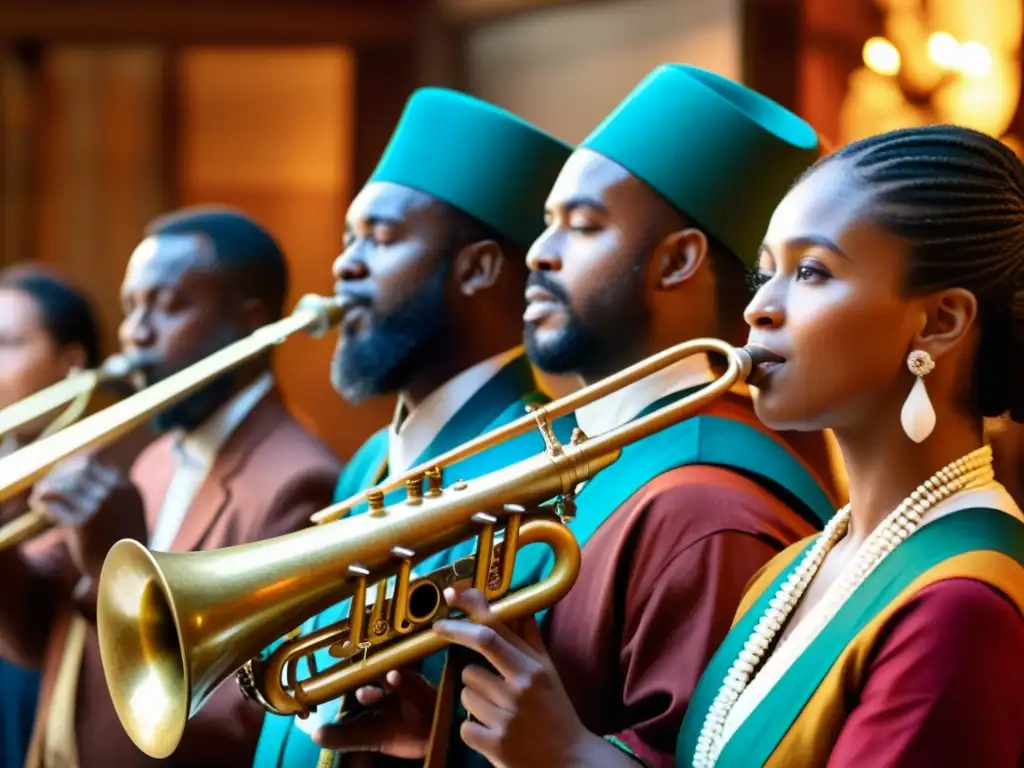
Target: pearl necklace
[(970, 471)]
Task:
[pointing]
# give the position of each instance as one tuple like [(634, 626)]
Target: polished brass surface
[(554, 410), (19, 470), (77, 389), (172, 627)]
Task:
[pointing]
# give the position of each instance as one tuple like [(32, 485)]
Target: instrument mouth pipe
[(173, 626), (754, 360), (313, 315)]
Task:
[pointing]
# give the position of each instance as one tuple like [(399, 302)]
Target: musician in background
[(231, 467), (47, 330), (434, 256), (652, 226)]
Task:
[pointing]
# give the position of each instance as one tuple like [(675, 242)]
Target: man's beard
[(397, 346), (612, 321), (192, 411), (197, 407)]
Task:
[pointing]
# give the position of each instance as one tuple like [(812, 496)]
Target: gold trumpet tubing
[(360, 670), (337, 636), (22, 468), (739, 367), (484, 569), (299, 575), (39, 404), (77, 388), (173, 626)]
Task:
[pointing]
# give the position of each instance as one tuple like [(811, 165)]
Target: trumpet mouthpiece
[(755, 359), (328, 311), (121, 366)]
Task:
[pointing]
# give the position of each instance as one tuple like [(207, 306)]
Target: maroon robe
[(945, 687), (659, 586)]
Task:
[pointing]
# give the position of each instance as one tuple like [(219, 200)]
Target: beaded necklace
[(971, 471)]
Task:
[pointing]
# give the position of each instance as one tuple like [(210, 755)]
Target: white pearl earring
[(918, 415)]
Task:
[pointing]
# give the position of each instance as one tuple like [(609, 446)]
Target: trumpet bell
[(148, 661), (173, 626)]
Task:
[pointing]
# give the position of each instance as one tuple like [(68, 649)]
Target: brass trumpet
[(173, 626), (18, 471), (77, 389)]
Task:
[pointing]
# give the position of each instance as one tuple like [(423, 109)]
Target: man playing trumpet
[(231, 467), (652, 225), (433, 261)]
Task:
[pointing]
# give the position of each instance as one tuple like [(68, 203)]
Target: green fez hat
[(477, 157), (722, 154)]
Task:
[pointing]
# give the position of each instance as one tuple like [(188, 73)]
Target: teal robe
[(20, 690), (500, 401)]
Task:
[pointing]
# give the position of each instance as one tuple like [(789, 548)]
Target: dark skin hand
[(521, 717), (96, 504)]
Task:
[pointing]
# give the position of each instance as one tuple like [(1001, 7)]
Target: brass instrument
[(173, 626), (18, 471), (77, 389)]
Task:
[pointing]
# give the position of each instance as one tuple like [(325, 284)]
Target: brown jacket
[(269, 476)]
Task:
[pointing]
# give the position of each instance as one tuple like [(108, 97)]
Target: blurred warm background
[(113, 111)]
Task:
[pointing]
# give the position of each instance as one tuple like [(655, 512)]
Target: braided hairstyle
[(956, 197)]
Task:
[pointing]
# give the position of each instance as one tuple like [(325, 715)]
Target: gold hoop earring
[(918, 415)]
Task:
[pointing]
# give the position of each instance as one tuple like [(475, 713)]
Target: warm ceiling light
[(944, 51), (975, 60), (881, 56)]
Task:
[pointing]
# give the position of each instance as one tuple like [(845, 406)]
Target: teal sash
[(502, 400), (703, 440), (755, 740)]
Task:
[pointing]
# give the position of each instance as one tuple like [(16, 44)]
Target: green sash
[(756, 739), (703, 440), (502, 399)]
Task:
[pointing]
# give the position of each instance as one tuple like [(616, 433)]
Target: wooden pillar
[(772, 44), (19, 150), (385, 78)]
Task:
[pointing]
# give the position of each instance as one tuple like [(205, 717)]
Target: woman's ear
[(74, 357), (478, 266), (679, 256), (949, 317)]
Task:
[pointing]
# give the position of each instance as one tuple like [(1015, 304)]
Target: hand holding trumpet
[(95, 503), (521, 715)]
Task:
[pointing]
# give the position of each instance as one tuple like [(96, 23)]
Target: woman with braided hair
[(892, 296)]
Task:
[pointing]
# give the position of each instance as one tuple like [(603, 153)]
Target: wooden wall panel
[(130, 22), (19, 151), (271, 131), (101, 178)]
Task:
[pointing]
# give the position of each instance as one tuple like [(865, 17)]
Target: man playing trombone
[(231, 467), (433, 262), (652, 224)]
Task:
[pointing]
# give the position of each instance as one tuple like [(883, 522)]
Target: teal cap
[(720, 153), (477, 157)]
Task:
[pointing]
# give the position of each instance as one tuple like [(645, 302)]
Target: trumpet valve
[(434, 480), (565, 507), (414, 489), (375, 500)]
